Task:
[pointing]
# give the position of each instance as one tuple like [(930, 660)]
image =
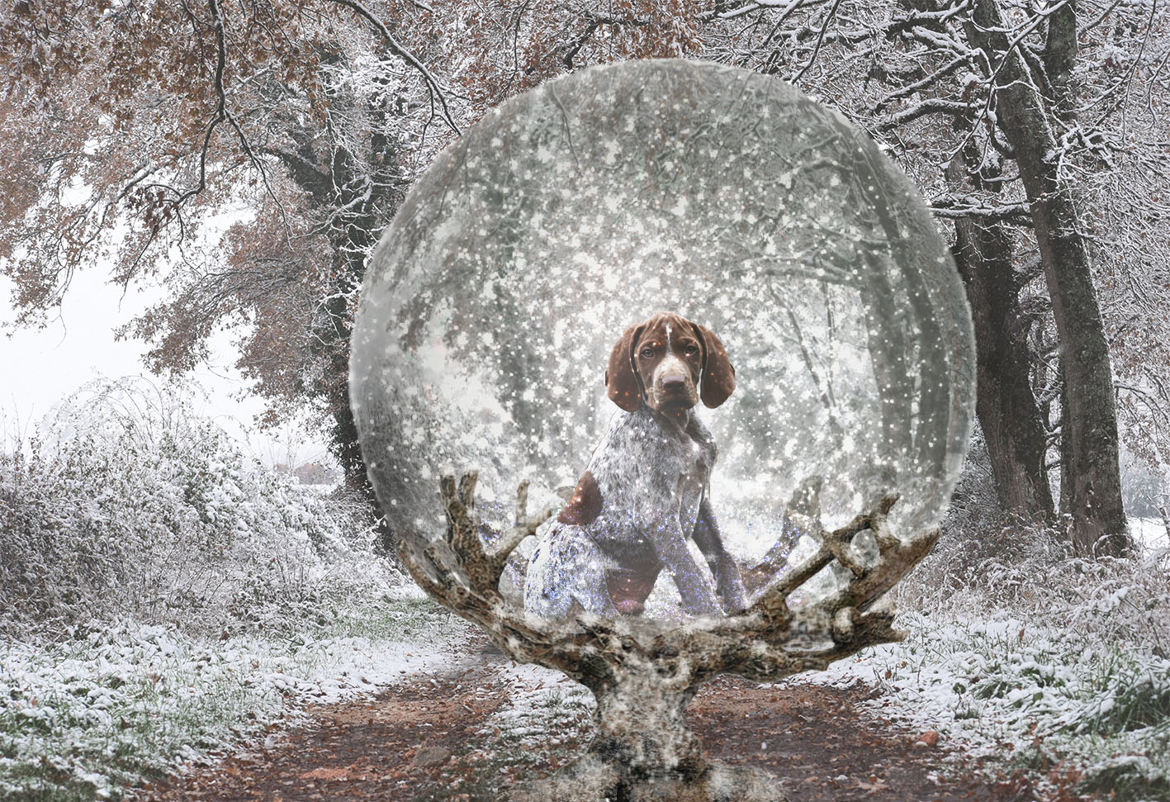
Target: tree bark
[(1092, 472), (643, 750), (1004, 403), (642, 734)]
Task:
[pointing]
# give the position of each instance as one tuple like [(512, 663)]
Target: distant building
[(314, 473)]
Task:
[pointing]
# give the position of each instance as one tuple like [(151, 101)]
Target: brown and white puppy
[(645, 492)]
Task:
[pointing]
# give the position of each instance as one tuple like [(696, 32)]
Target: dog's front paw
[(733, 598)]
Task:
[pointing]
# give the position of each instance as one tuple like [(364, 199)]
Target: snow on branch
[(436, 92), (952, 207)]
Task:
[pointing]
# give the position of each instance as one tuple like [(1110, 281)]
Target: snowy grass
[(1022, 695), (92, 716), (164, 597), (127, 505), (544, 710), (1036, 662)]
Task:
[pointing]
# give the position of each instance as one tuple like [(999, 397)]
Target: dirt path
[(433, 739)]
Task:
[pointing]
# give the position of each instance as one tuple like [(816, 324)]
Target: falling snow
[(648, 191)]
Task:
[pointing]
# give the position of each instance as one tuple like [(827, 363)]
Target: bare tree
[(1091, 471), (979, 103), (162, 115), (129, 126), (1012, 423)]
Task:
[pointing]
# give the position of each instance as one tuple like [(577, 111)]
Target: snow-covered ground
[(92, 715), (1025, 696), (98, 713), (1059, 670)]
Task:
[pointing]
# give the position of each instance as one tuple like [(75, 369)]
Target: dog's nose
[(674, 381)]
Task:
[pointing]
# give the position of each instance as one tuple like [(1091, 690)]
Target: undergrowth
[(120, 507), (1037, 660), (163, 596)]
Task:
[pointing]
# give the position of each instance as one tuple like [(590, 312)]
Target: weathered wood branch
[(771, 640), (465, 532), (642, 672), (459, 570)]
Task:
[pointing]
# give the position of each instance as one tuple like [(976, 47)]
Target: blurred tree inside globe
[(598, 199)]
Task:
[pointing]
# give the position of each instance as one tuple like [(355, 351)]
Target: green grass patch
[(1089, 719)]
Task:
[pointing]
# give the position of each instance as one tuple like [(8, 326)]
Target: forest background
[(1034, 130)]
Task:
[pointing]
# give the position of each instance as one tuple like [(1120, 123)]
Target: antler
[(462, 575), (818, 633), (768, 641), (465, 532), (643, 676), (802, 514)]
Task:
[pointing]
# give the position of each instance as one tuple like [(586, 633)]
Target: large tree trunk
[(1005, 404), (1092, 471), (365, 185), (643, 750), (355, 195)]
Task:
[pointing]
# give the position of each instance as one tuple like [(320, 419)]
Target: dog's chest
[(692, 462), (695, 461), (645, 463)]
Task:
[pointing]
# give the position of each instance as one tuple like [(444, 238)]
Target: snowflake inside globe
[(746, 229)]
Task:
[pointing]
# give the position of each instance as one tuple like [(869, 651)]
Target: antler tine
[(467, 484), (464, 532), (447, 488), (894, 560), (424, 568), (522, 528), (839, 540), (521, 504), (835, 544), (881, 530)]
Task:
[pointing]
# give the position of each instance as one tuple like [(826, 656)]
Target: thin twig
[(820, 38), (435, 91)]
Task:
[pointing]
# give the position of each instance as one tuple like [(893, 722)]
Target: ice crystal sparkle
[(598, 199)]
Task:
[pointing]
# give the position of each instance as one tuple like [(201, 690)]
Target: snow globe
[(663, 371), (492, 306)]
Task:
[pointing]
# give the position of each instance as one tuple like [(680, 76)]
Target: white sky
[(40, 368)]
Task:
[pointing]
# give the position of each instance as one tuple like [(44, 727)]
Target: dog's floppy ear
[(621, 379), (718, 374)]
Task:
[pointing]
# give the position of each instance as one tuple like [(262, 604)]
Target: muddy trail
[(439, 738)]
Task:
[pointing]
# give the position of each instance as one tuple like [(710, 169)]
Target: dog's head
[(670, 362)]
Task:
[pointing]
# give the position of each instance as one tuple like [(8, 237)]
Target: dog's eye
[(647, 352), (690, 349)]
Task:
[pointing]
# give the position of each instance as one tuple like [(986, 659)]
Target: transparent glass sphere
[(584, 206)]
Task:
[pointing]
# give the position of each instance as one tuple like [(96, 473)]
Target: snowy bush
[(1042, 662), (162, 596), (126, 505), (1035, 578)]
